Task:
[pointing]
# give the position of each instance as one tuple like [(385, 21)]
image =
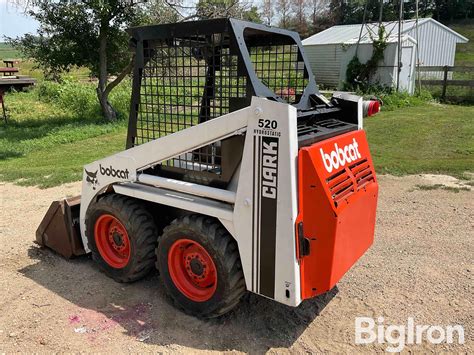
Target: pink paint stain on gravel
[(133, 319), (74, 319)]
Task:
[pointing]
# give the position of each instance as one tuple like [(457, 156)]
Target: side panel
[(338, 197), (125, 166), (266, 204)]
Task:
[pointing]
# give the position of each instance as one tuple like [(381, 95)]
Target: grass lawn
[(47, 145), (465, 52), (28, 67), (464, 58), (430, 138), (7, 52), (60, 164)]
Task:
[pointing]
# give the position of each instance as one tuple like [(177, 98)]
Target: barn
[(330, 51)]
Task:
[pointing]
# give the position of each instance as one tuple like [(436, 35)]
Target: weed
[(442, 187)]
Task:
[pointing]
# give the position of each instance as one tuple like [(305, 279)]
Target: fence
[(447, 79)]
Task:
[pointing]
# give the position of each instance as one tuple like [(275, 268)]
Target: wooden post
[(445, 83), (399, 57), (3, 106)]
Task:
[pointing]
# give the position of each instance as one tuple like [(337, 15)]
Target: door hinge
[(303, 242)]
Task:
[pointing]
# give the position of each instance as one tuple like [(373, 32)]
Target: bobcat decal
[(91, 178)]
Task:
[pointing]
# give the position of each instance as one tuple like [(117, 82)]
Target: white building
[(330, 51)]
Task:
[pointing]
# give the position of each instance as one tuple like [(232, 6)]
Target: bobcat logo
[(91, 178)]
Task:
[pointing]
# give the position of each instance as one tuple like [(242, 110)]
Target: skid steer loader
[(238, 174)]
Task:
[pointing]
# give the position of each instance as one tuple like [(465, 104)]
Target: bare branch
[(120, 77), (176, 5)]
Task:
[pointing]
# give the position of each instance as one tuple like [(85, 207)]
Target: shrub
[(81, 99), (359, 75), (394, 100), (120, 99), (48, 91)]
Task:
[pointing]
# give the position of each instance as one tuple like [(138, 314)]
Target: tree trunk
[(102, 93), (108, 111)]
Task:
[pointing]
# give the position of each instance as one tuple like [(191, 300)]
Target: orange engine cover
[(337, 202)]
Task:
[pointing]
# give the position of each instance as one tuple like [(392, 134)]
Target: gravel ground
[(420, 266)]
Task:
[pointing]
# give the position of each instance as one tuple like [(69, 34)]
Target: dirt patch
[(447, 181), (420, 266)]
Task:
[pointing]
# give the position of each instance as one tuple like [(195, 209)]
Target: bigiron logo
[(340, 156), (123, 174)]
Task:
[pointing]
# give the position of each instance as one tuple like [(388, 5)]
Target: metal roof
[(350, 33), (389, 39)]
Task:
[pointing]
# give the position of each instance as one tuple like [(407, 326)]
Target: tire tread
[(227, 249), (141, 225)]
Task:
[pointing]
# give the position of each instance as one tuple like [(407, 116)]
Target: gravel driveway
[(420, 266)]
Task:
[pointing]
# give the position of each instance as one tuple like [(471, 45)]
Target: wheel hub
[(192, 270), (196, 267), (117, 239), (112, 241)]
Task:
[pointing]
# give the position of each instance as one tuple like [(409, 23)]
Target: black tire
[(221, 247), (142, 235)]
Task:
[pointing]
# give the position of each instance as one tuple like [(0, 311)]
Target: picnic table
[(10, 80), (10, 62), (9, 69)]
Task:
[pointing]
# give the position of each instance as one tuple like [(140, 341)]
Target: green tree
[(450, 10), (252, 15), (87, 33)]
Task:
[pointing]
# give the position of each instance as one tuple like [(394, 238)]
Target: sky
[(13, 22)]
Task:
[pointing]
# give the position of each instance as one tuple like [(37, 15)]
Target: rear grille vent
[(346, 181), (312, 131), (362, 173), (331, 123), (340, 186)]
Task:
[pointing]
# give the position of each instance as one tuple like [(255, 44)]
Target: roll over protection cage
[(188, 73)]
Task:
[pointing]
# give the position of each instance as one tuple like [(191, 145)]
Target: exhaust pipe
[(59, 229)]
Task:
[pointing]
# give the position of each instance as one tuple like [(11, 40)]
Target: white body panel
[(188, 187), (267, 250), (177, 199), (248, 212)]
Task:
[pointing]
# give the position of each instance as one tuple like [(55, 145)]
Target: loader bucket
[(59, 229)]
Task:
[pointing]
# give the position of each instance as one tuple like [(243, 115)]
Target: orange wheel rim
[(192, 270), (112, 241)]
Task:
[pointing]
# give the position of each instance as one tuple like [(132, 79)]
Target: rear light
[(370, 107)]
